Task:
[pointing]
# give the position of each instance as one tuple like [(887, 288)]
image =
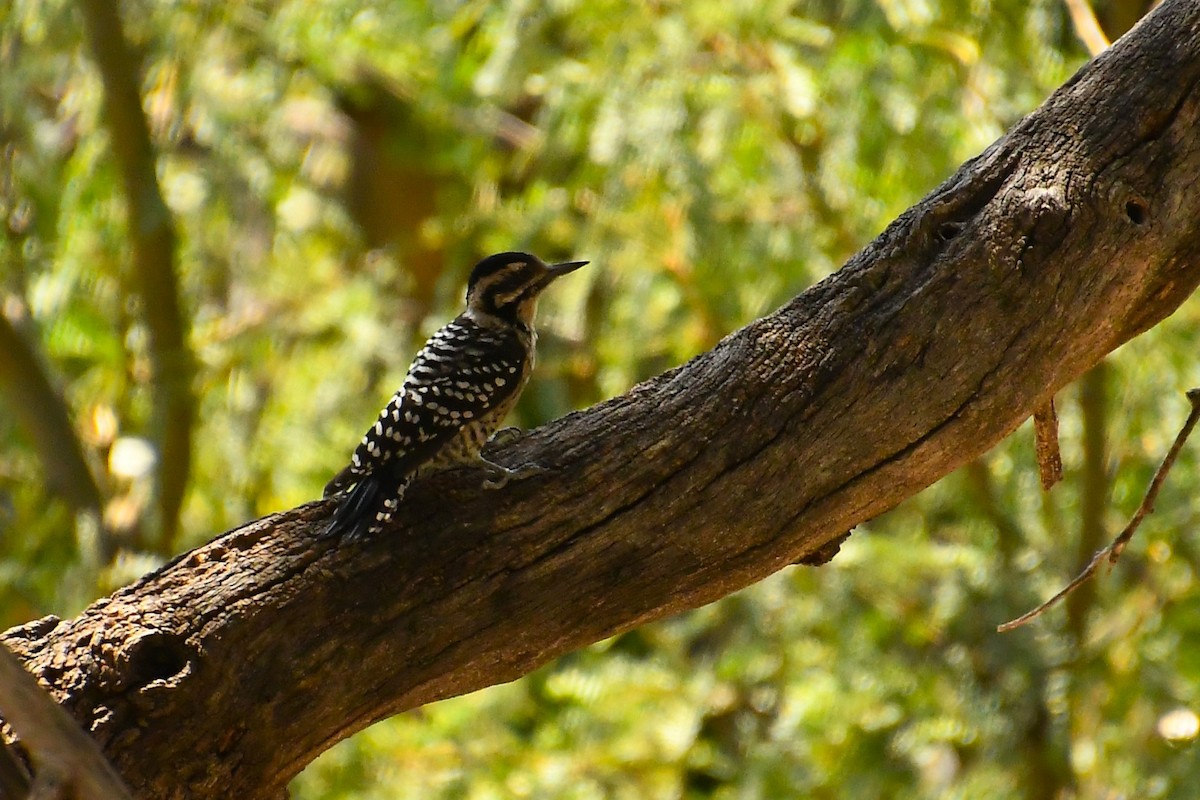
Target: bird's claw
[(506, 436), (500, 476)]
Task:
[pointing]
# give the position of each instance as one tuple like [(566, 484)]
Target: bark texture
[(225, 672)]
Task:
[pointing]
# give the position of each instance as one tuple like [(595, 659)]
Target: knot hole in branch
[(1137, 210), (948, 230), (154, 656)]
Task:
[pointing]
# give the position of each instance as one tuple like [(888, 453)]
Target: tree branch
[(1087, 27), (14, 778), (1045, 438), (1072, 234), (45, 418), (64, 754), (152, 237)]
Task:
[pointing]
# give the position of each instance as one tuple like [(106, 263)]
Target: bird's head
[(507, 285)]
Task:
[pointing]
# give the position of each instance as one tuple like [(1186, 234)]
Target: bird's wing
[(462, 372)]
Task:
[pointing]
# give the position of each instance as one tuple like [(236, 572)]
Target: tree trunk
[(151, 234), (225, 672)]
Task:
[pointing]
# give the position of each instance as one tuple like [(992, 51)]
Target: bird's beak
[(558, 270)]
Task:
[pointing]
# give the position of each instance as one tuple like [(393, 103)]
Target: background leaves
[(333, 169)]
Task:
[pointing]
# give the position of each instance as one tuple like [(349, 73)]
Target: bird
[(460, 387)]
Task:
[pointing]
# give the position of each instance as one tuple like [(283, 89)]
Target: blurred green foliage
[(334, 168)]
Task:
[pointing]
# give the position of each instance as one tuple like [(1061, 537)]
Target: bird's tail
[(368, 506), (355, 514)]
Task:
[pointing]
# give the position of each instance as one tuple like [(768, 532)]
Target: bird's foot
[(499, 476), (506, 436)]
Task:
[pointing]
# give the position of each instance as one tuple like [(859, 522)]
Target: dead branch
[(1045, 431)]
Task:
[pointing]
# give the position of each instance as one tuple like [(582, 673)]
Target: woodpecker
[(461, 385)]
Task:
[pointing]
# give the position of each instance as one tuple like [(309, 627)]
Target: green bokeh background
[(334, 168)]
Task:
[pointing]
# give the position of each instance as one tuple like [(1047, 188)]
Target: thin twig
[(1087, 27), (1045, 432), (1113, 551)]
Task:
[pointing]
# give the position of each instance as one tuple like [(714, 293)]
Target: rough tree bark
[(225, 672)]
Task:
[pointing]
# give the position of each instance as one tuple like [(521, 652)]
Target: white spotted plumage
[(454, 396)]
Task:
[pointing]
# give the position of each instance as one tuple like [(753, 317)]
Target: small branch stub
[(1045, 431)]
